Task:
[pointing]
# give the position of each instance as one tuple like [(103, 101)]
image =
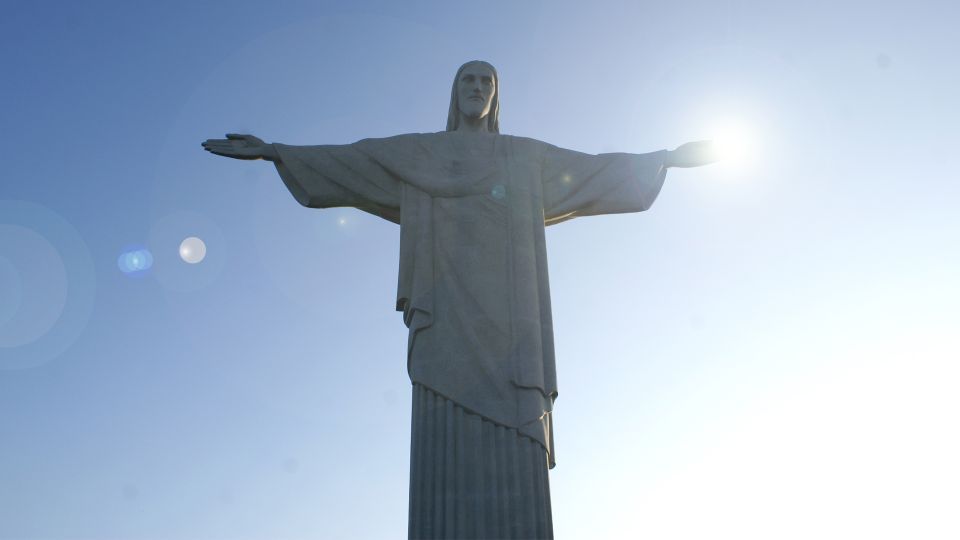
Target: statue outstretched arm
[(324, 176), (239, 146), (577, 184)]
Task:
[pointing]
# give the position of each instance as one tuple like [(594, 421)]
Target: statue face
[(475, 90)]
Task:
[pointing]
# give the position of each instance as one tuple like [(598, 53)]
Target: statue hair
[(493, 117)]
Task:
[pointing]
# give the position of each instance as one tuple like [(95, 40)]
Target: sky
[(770, 351)]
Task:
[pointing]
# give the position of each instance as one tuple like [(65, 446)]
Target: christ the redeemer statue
[(472, 205)]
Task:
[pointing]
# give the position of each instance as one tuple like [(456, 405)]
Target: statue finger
[(222, 146)]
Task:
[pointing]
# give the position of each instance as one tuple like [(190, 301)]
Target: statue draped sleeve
[(577, 184), (329, 176)]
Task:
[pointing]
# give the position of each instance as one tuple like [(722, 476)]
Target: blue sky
[(769, 352)]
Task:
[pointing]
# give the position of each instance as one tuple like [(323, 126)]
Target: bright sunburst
[(735, 141)]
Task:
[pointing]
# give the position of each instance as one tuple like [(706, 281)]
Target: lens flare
[(134, 261), (192, 250), (182, 237), (11, 290), (47, 285)]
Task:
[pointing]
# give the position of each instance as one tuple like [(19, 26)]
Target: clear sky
[(771, 351)]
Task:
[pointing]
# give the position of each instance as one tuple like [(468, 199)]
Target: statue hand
[(693, 154), (239, 147)]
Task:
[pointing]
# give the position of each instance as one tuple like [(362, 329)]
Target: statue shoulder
[(405, 138), (527, 142), (396, 145), (530, 149)]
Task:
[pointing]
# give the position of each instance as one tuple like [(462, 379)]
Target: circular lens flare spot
[(36, 282), (134, 261), (47, 285), (11, 290), (192, 250)]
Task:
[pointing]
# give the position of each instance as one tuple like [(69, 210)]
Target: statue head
[(475, 94)]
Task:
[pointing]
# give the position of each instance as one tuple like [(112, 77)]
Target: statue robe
[(473, 284)]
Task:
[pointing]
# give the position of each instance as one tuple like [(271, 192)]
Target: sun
[(734, 141)]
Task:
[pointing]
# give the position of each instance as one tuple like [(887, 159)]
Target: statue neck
[(472, 125)]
